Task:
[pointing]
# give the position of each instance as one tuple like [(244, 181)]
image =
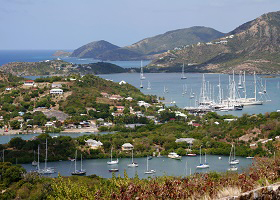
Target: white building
[(127, 147), (122, 82), (93, 143), (56, 91), (56, 85), (143, 103), (29, 83), (187, 140)]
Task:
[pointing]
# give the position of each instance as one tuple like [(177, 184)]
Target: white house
[(127, 147), (49, 124), (56, 91), (93, 143), (143, 103), (122, 82), (29, 83), (56, 85), (187, 140)]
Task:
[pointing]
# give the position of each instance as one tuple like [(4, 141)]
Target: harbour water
[(192, 85), (163, 166)]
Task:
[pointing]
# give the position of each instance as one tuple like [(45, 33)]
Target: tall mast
[(132, 156), (220, 92), (46, 153), (76, 161), (255, 82), (200, 155), (244, 85), (81, 162), (38, 164), (147, 164)]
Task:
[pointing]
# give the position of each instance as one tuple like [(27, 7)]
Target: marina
[(162, 166)]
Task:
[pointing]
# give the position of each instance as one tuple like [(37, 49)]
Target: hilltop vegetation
[(146, 48), (59, 67), (254, 46)]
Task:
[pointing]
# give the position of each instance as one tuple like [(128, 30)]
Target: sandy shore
[(80, 130)]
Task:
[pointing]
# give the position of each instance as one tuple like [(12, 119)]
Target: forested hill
[(55, 67), (253, 46), (146, 48)]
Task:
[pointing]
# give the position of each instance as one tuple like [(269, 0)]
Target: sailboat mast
[(76, 161), (205, 158), (255, 82), (38, 164), (81, 161), (132, 156), (147, 164), (111, 154), (244, 85), (200, 155), (46, 153)]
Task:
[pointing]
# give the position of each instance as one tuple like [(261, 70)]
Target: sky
[(69, 24)]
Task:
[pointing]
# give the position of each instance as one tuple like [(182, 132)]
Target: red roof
[(29, 81), (196, 124)]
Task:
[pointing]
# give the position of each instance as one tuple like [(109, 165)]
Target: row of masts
[(237, 94)]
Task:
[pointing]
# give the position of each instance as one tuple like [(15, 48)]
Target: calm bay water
[(163, 166)]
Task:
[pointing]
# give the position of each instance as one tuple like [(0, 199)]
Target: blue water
[(174, 83), (7, 56), (171, 81), (163, 166)]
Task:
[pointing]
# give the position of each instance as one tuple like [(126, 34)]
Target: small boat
[(191, 154), (183, 72), (72, 160), (233, 168), (202, 165), (249, 157), (159, 156), (141, 85), (149, 86), (112, 162), (132, 164), (81, 171), (113, 170), (232, 160), (150, 157), (34, 162), (142, 77), (174, 155), (149, 171), (220, 158)]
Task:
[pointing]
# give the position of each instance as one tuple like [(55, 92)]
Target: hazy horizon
[(69, 24)]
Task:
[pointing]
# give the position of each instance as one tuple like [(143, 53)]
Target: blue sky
[(68, 24)]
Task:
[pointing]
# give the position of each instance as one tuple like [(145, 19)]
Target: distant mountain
[(176, 38), (253, 46), (145, 49), (93, 49)]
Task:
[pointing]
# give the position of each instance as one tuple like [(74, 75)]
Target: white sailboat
[(142, 77), (149, 171), (202, 165), (81, 171), (133, 164), (183, 72), (165, 89), (46, 170), (141, 84), (232, 160), (149, 86), (112, 162), (34, 162)]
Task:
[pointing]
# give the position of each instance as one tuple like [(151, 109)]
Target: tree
[(17, 142), (15, 124)]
